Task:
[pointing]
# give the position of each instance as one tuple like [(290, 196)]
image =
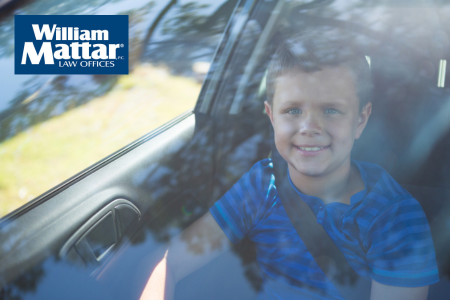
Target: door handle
[(98, 236)]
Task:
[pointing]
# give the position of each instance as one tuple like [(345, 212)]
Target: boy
[(318, 103)]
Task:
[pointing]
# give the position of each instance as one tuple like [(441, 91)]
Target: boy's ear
[(269, 111), (363, 118)]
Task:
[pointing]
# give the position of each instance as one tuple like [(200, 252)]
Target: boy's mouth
[(310, 149)]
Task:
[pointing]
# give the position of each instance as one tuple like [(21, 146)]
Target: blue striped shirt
[(383, 234)]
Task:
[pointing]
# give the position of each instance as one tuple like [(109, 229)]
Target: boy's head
[(312, 51), (318, 102)]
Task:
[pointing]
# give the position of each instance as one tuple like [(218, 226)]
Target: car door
[(62, 244)]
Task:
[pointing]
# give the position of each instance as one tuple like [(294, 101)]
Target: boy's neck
[(337, 186)]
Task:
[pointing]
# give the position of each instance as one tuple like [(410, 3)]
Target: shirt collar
[(315, 202)]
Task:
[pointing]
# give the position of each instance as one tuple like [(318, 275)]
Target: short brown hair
[(316, 50)]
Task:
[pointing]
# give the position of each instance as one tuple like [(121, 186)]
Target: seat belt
[(327, 255)]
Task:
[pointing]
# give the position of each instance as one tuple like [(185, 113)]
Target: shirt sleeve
[(244, 204), (400, 246)]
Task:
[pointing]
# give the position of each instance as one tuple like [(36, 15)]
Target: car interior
[(99, 234)]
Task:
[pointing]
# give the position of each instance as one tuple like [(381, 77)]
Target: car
[(100, 233)]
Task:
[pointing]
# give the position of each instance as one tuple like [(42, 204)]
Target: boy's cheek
[(283, 144), (284, 127), (283, 138)]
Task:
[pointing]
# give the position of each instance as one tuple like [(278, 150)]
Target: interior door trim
[(86, 227)]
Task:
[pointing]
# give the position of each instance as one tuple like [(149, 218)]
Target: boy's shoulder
[(385, 200), (380, 183), (265, 163), (261, 171)]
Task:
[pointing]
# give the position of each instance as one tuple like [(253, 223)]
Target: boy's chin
[(311, 169)]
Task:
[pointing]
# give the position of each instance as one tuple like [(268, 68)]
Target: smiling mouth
[(311, 149)]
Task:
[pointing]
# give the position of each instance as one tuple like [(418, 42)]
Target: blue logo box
[(71, 44)]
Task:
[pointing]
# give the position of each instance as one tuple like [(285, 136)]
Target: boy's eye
[(294, 111), (331, 111)]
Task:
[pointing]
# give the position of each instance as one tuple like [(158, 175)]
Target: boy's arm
[(194, 247), (388, 292)]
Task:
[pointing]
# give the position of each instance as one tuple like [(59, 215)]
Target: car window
[(52, 127), (405, 44)]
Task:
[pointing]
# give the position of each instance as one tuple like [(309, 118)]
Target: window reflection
[(407, 134), (72, 121)]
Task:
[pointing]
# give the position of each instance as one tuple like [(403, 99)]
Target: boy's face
[(316, 119)]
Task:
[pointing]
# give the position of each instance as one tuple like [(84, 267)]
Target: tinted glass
[(406, 45)]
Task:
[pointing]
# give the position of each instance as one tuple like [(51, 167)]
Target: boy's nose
[(310, 126)]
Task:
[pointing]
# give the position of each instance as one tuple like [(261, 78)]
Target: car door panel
[(147, 173), (46, 242)]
